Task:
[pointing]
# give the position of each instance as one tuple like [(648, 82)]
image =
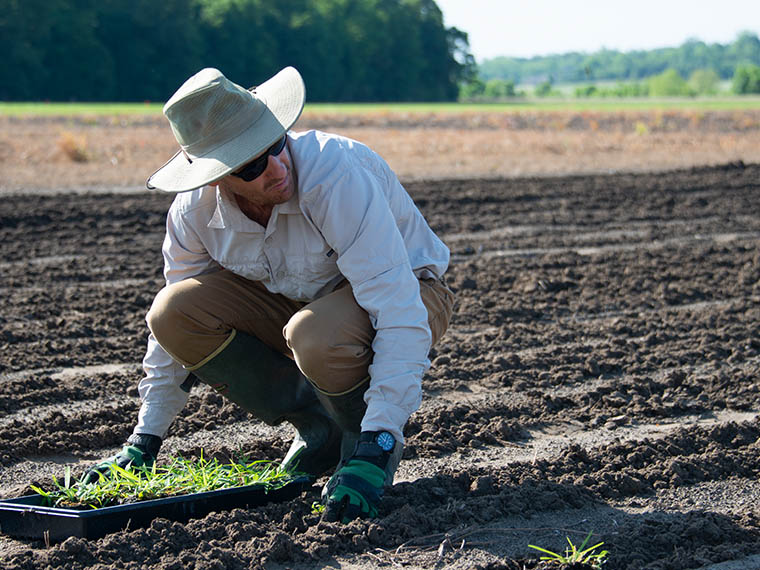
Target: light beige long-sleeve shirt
[(349, 218)]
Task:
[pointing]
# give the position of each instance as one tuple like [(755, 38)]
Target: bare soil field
[(600, 373), (105, 152)]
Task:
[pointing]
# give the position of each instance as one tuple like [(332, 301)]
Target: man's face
[(275, 185)]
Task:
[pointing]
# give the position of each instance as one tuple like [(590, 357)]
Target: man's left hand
[(140, 450), (354, 491)]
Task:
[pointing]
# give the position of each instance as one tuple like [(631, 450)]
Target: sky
[(525, 28)]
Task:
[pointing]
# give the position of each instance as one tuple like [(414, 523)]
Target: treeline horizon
[(141, 50), (613, 65)]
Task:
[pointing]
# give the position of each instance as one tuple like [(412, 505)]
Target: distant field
[(72, 147), (64, 109), (568, 89), (549, 104)]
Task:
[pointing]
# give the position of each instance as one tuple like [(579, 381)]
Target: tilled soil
[(600, 374)]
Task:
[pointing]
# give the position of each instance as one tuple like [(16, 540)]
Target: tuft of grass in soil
[(576, 554), (74, 147), (181, 476)]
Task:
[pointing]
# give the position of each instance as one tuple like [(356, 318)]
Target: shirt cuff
[(155, 420), (386, 417)]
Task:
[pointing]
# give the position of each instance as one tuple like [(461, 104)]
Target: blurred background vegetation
[(347, 51), (692, 69)]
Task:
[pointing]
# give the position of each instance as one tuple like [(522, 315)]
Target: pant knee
[(174, 316), (304, 340), (331, 362), (159, 316)]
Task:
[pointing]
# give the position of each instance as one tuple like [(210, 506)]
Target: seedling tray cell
[(25, 517)]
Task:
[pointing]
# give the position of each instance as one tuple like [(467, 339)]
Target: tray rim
[(27, 503)]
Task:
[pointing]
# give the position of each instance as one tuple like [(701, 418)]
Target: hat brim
[(284, 96)]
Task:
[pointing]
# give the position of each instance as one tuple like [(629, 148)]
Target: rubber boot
[(348, 409), (271, 387)]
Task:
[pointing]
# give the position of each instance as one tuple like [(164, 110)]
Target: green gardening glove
[(140, 450), (354, 491)]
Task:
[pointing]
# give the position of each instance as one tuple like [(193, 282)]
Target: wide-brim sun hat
[(220, 126)]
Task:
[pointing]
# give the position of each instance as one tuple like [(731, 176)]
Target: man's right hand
[(139, 450)]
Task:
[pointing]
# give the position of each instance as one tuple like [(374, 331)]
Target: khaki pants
[(330, 338)]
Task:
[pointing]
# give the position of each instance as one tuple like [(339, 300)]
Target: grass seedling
[(181, 476), (577, 554)]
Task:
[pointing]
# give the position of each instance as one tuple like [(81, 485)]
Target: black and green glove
[(356, 488), (354, 491), (139, 450)]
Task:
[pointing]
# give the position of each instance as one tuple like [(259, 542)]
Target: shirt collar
[(227, 215), (292, 206)]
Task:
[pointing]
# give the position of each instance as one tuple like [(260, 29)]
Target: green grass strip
[(734, 103), (78, 109)]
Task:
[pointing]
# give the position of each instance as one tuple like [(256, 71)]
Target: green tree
[(610, 64), (669, 83), (444, 53), (347, 50), (240, 38), (78, 65), (462, 66), (499, 89), (585, 91), (746, 79), (746, 49), (544, 89), (474, 89), (692, 55), (704, 82), (25, 29), (154, 46)]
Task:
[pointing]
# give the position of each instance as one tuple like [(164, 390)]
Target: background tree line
[(669, 83), (135, 50), (615, 65)]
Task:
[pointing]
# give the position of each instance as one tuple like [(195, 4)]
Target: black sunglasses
[(258, 165)]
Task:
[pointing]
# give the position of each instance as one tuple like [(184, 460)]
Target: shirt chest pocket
[(310, 262), (320, 266), (246, 258), (304, 255)]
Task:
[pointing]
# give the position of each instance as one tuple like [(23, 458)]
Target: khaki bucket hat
[(220, 126)]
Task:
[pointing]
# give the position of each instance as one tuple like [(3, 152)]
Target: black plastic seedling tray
[(25, 517)]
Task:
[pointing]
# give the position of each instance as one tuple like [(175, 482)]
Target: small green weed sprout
[(580, 554), (181, 476), (317, 508)]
